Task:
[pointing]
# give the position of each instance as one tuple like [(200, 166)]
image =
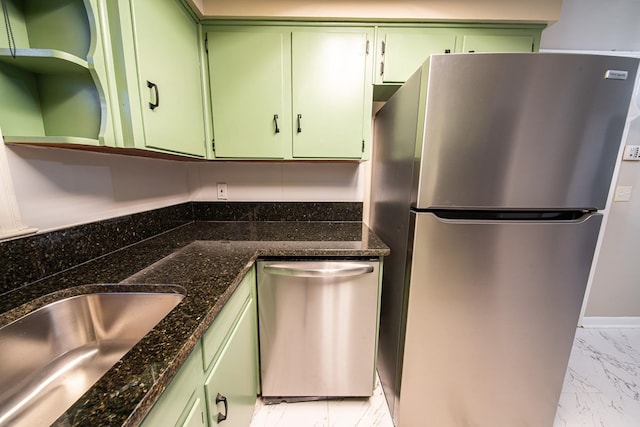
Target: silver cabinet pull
[(275, 122), (299, 123), (328, 270)]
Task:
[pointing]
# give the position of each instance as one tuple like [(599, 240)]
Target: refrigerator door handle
[(469, 217), (327, 270)]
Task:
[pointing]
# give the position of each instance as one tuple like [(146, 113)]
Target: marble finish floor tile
[(602, 384), (601, 389), (372, 412)]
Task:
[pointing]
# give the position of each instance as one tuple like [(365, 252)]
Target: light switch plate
[(623, 193)]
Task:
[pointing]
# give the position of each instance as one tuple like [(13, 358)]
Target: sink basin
[(51, 356)]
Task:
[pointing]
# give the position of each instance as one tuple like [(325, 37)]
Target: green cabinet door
[(249, 82), (195, 415), (232, 383), (182, 402), (168, 61), (225, 361), (401, 51), (491, 43), (328, 91)]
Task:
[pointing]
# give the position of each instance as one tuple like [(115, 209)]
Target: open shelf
[(44, 61), (50, 90)]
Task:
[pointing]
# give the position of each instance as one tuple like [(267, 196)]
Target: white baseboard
[(611, 322)]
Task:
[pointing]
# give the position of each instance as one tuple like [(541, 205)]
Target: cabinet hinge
[(213, 144), (363, 145), (366, 50)]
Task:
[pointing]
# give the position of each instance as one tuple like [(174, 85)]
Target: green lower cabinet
[(182, 402), (232, 381), (195, 416), (219, 379)]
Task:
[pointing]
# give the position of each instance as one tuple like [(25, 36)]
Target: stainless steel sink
[(51, 356)]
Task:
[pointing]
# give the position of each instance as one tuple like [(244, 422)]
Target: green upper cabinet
[(157, 71), (329, 94), (53, 76), (497, 40), (401, 51), (290, 92), (250, 93)]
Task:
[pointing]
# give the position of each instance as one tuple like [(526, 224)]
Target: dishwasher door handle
[(327, 270)]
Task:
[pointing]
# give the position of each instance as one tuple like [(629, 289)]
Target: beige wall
[(595, 25), (57, 188), (415, 10), (614, 291)]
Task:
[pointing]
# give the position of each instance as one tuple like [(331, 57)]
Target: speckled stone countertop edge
[(125, 394), (155, 391)]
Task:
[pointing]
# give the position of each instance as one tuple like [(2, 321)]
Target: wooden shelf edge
[(42, 140), (44, 61)]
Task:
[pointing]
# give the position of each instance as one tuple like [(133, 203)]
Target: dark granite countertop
[(203, 260)]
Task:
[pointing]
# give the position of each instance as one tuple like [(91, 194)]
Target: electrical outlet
[(222, 191), (631, 152)]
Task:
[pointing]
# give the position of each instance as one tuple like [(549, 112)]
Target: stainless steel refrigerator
[(488, 175)]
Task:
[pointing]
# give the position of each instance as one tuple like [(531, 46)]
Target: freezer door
[(522, 131), (493, 309)]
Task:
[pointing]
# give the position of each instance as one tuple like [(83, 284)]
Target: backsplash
[(28, 259), (278, 211)]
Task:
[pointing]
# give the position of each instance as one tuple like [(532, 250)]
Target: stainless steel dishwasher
[(318, 325)]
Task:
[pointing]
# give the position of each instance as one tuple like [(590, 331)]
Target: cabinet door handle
[(275, 122), (299, 123), (154, 86), (222, 417)]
